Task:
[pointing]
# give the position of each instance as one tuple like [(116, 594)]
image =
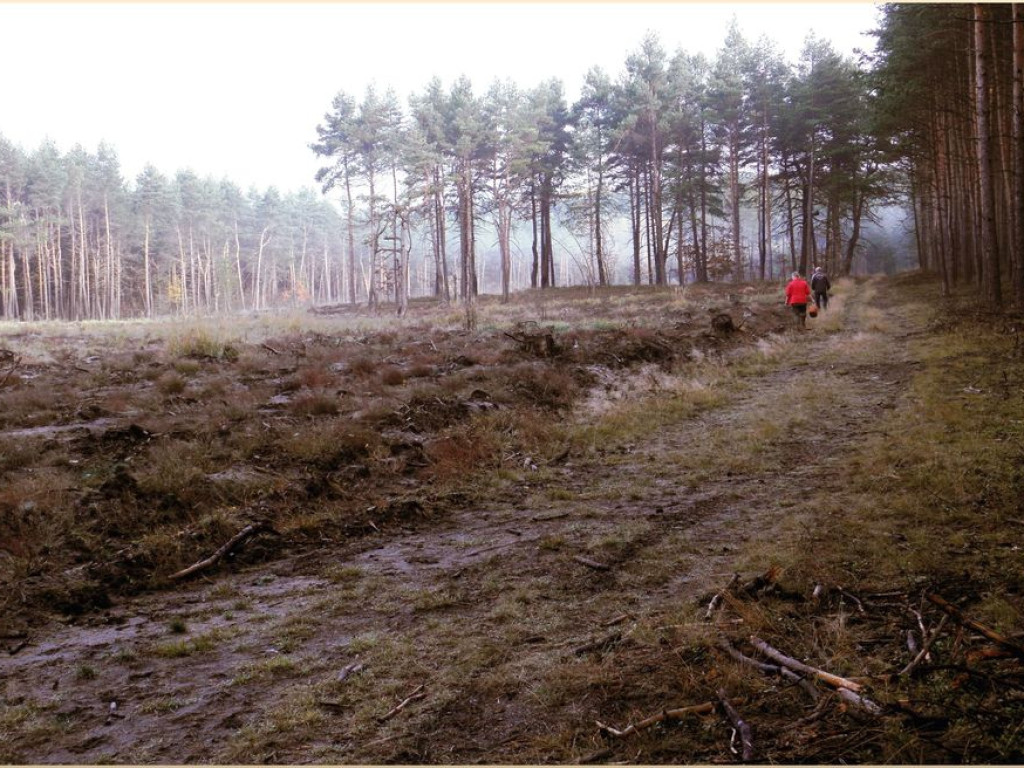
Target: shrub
[(331, 445), (315, 404), (543, 386), (392, 376), (170, 383), (314, 377), (200, 343)]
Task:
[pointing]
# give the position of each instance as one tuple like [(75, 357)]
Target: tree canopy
[(678, 168)]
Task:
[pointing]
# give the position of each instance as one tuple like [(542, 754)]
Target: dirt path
[(484, 608)]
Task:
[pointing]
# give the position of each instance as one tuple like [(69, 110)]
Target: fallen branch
[(1016, 648), (717, 599), (834, 680), (331, 705), (593, 757), (414, 696), (861, 702), (985, 654), (912, 642), (758, 583), (15, 648), (923, 653), (232, 544), (816, 714), (270, 349), (854, 598), (770, 669), (591, 563), (546, 518), (668, 714), (741, 725), (617, 620), (350, 670), (595, 645)]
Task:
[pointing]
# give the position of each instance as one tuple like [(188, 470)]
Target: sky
[(237, 89)]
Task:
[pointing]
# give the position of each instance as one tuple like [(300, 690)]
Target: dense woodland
[(951, 101), (677, 169)]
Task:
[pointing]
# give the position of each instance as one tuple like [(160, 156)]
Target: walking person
[(798, 294), (820, 286)]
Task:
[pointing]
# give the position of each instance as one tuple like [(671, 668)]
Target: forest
[(678, 169)]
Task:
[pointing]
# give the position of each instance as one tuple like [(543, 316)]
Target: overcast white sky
[(237, 89)]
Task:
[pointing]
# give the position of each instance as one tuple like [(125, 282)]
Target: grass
[(32, 723), (273, 668), (164, 705), (184, 648)]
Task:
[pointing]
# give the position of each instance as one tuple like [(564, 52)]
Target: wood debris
[(669, 714), (742, 726), (230, 546), (597, 566), (416, 695)]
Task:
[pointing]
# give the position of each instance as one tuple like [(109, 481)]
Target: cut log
[(230, 546), (861, 702), (1016, 648), (741, 725), (912, 642), (348, 671), (827, 677), (591, 563)]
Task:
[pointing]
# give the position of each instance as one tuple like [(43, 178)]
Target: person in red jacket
[(798, 294)]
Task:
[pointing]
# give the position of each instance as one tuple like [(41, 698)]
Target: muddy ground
[(493, 612)]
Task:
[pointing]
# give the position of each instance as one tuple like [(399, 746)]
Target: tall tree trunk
[(442, 288), (147, 287), (990, 253), (535, 244), (855, 215), (634, 182), (351, 236), (734, 201), (787, 187), (1018, 155), (238, 264), (703, 276), (602, 277), (547, 256)]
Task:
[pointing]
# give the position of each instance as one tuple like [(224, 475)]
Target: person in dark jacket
[(798, 293), (820, 287)]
